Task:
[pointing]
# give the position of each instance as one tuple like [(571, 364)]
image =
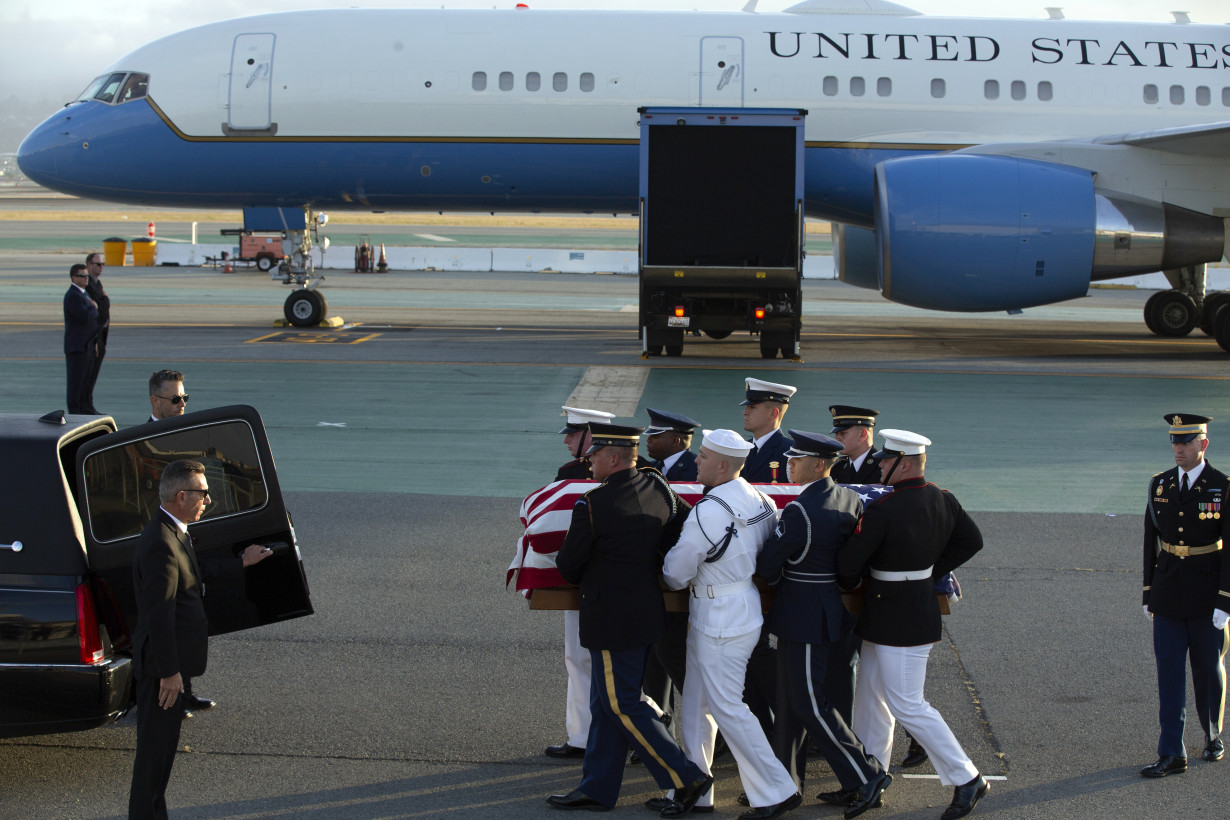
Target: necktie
[(1184, 485), (754, 451)]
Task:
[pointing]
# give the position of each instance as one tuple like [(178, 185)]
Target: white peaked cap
[(727, 443), (904, 443), (578, 415)]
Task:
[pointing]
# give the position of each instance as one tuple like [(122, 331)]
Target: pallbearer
[(764, 408), (668, 440)]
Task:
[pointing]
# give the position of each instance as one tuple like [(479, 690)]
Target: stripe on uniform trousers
[(815, 710), (626, 720)]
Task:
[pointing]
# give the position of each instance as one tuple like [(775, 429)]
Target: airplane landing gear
[(305, 308), (1171, 313)]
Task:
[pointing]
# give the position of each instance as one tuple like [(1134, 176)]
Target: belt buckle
[(709, 590), (1181, 550)]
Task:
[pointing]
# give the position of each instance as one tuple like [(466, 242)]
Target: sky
[(51, 49)]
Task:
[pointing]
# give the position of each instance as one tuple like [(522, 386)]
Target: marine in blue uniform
[(807, 617), (1187, 592), (613, 551)]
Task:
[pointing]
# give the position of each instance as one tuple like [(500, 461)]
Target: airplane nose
[(36, 156)]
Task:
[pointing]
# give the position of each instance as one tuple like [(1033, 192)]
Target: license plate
[(678, 321)]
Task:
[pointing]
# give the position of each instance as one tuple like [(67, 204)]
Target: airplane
[(968, 164)]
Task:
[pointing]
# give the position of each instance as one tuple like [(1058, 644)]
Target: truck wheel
[(768, 350), (674, 350), (265, 263), (654, 350), (305, 308), (717, 334)]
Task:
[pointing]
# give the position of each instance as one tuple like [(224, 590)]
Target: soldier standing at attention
[(668, 440), (1187, 592), (764, 407), (613, 551), (576, 659), (904, 540)]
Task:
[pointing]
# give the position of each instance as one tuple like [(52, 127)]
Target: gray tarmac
[(423, 688)]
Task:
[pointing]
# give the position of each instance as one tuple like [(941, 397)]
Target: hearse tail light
[(758, 312), (88, 637), (680, 311)]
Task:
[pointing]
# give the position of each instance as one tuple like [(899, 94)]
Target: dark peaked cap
[(612, 435), (662, 422)]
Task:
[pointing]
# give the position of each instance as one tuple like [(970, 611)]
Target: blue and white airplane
[(969, 164)]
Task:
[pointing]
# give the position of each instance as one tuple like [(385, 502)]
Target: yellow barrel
[(143, 252), (114, 251)]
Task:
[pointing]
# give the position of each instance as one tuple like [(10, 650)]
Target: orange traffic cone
[(383, 264), (226, 263)]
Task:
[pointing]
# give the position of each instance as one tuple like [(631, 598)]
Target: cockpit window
[(92, 88), (136, 87), (120, 87), (110, 87)]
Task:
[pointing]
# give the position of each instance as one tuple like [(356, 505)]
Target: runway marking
[(613, 389), (434, 238), (309, 337)]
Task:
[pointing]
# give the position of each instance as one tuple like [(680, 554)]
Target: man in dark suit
[(170, 641), (576, 659), (807, 616), (613, 551), (1187, 592), (903, 541), (668, 442), (763, 408), (167, 397), (80, 332), (94, 287)]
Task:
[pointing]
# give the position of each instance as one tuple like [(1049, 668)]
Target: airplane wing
[(1211, 140)]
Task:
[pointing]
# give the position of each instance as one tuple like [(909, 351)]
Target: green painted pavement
[(1001, 443)]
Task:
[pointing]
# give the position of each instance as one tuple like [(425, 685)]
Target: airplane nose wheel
[(305, 308)]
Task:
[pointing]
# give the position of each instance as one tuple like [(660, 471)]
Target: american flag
[(546, 514)]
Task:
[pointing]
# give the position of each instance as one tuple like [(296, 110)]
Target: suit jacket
[(914, 527), (756, 469), (1187, 587), (844, 473), (613, 551), (577, 469), (684, 468), (172, 632), (94, 289), (80, 320), (800, 557)]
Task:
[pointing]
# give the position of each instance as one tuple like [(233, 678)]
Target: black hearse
[(74, 496)]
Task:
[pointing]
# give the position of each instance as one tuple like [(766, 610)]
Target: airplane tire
[(1213, 304), (305, 308), (1221, 329), (1174, 314), (1151, 303)]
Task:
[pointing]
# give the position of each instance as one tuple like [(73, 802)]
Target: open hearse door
[(117, 489)]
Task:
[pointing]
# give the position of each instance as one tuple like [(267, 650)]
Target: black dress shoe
[(769, 812), (916, 755), (869, 795), (1165, 765), (634, 759), (187, 715), (841, 797), (659, 803), (743, 801), (198, 704), (965, 797), (1214, 751), (685, 798), (574, 800), (563, 750)]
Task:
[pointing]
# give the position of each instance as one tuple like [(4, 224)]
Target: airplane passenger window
[(1203, 97), (533, 81), (109, 88), (506, 81), (479, 81), (938, 89), (560, 81), (587, 81), (830, 86), (884, 86), (990, 89), (1151, 94), (136, 87), (1045, 91), (1176, 95), (858, 86), (1225, 96)]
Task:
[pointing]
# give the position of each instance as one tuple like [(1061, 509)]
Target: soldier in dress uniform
[(763, 409), (668, 440), (715, 558), (1187, 591), (576, 659), (613, 551), (903, 541), (808, 618)]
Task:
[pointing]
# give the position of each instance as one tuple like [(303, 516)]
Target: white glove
[(1148, 614), (1220, 618)]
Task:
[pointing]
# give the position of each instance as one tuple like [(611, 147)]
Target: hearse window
[(479, 81), (938, 89), (560, 81), (1203, 97), (1176, 95), (136, 87), (830, 86), (533, 81), (121, 483), (106, 93), (587, 81), (1018, 90), (884, 86), (990, 89), (1045, 91), (506, 81), (858, 86)]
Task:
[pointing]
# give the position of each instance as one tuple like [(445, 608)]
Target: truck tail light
[(680, 310), (758, 312), (89, 639)]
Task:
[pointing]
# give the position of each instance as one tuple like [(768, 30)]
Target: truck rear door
[(117, 490)]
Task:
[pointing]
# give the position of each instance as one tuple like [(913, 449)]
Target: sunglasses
[(176, 400)]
